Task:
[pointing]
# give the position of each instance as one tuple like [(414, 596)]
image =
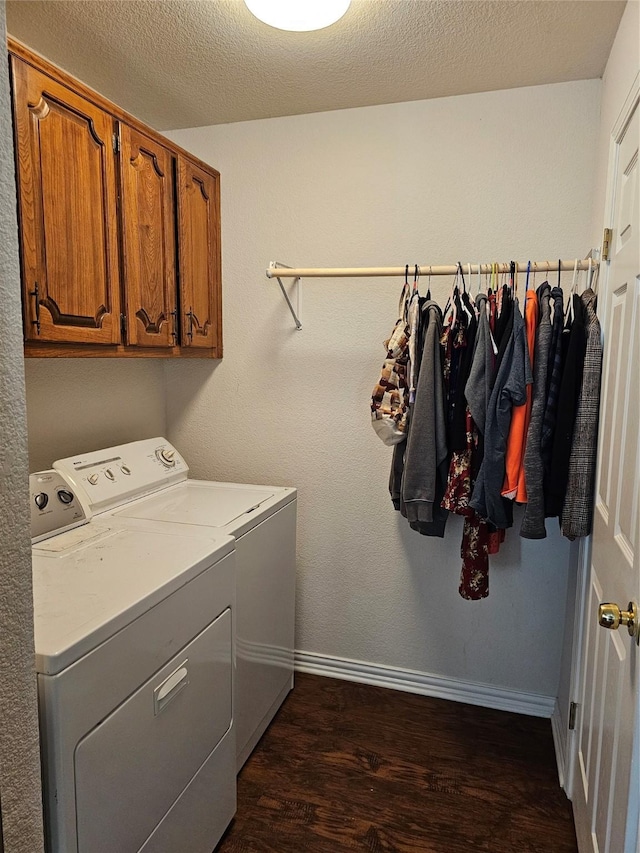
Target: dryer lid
[(91, 582), (201, 503)]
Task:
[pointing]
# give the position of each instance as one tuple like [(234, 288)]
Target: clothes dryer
[(134, 653), (150, 479)]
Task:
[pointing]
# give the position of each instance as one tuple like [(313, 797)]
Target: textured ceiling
[(187, 63)]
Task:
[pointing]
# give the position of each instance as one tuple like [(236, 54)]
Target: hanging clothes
[(556, 481), (390, 396), (484, 392), (475, 550), (510, 388), (577, 512), (453, 343), (503, 328), (426, 455), (413, 320), (554, 378), (533, 521), (514, 486), (478, 386), (417, 324), (492, 311), (474, 575), (457, 436)]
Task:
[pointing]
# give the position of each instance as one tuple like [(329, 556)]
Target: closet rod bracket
[(274, 266)]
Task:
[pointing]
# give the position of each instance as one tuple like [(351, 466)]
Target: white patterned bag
[(390, 397)]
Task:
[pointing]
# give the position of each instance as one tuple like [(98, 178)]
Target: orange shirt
[(514, 486)]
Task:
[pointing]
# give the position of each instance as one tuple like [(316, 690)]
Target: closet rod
[(275, 270)]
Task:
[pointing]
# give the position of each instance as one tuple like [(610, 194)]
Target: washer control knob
[(65, 496), (41, 499), (125, 470), (93, 479), (109, 474), (167, 457)]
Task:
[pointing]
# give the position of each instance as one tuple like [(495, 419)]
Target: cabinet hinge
[(116, 143), (606, 243), (573, 712), (123, 327)]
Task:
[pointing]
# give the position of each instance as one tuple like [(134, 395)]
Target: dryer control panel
[(54, 505), (106, 479)]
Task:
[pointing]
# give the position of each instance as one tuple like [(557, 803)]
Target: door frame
[(631, 102)]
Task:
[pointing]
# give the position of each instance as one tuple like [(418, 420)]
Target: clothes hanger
[(574, 283), (501, 293), (456, 295), (589, 273), (596, 279), (493, 291), (467, 305), (429, 284), (452, 296), (413, 294), (403, 305)]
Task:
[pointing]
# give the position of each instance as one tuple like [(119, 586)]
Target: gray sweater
[(426, 452)]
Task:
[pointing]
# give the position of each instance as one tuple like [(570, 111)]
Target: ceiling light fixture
[(298, 15)]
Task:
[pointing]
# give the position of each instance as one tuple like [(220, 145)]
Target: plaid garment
[(533, 520), (577, 512)]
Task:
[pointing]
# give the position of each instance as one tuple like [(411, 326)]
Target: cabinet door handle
[(36, 295), (174, 325), (190, 315)]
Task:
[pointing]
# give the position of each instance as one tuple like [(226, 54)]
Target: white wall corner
[(425, 684)]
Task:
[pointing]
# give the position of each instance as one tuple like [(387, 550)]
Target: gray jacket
[(478, 387), (426, 452), (510, 389)]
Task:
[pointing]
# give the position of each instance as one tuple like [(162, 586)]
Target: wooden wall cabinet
[(199, 247), (119, 227), (68, 214), (149, 240)]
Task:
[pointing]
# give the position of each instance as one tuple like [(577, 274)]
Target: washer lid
[(200, 503), (91, 582)]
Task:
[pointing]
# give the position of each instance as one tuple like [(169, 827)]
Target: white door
[(606, 772)]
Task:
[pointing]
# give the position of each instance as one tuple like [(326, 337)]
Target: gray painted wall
[(19, 749)]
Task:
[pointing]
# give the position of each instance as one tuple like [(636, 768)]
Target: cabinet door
[(148, 224), (67, 210), (199, 256)]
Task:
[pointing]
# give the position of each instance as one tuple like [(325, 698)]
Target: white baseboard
[(485, 695), (559, 743)]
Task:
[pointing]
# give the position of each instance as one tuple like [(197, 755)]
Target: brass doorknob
[(611, 616)]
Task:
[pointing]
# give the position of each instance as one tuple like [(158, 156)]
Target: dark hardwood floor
[(356, 768)]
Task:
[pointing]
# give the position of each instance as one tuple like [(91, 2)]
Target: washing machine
[(146, 482), (135, 659)]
